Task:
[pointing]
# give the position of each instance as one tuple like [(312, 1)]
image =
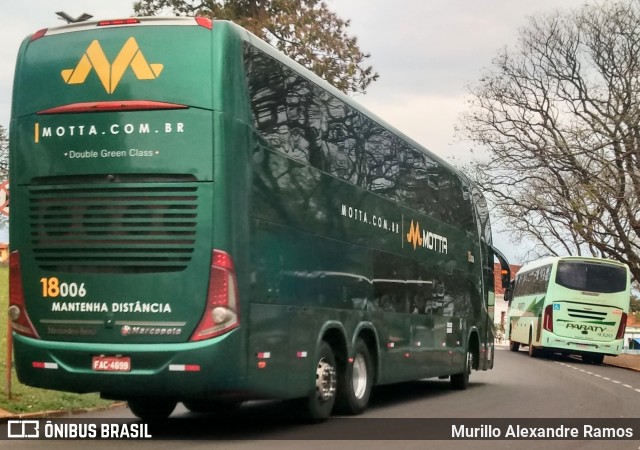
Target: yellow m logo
[(111, 74), (414, 235)]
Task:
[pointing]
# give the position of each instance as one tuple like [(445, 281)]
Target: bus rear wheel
[(356, 380), (323, 397), (533, 352), (593, 358), (151, 409), (460, 381), (514, 346)]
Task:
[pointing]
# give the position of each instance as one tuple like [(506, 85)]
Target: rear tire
[(533, 352), (593, 358), (514, 346), (150, 409), (355, 382), (460, 381), (323, 397)]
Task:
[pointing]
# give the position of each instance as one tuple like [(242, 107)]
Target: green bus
[(197, 218), (573, 305)]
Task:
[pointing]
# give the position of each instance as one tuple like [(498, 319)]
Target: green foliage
[(305, 30), (26, 399)]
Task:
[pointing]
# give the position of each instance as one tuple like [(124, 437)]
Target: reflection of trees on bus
[(407, 296), (378, 295), (316, 129)]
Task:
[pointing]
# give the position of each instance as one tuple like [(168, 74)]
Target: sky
[(427, 54)]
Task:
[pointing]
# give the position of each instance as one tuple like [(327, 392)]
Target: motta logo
[(109, 73), (426, 239), (414, 236)]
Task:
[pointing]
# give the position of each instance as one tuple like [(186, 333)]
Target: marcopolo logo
[(110, 74)]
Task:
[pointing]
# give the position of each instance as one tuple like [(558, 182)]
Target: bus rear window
[(589, 277)]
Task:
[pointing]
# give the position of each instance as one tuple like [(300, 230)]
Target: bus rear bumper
[(185, 370), (571, 346)]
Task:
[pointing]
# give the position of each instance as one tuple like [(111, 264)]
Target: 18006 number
[(52, 287)]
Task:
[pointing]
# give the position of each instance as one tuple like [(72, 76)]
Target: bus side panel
[(424, 280), (525, 315)]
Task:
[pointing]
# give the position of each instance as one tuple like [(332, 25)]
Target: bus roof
[(547, 260), (128, 22), (247, 36)]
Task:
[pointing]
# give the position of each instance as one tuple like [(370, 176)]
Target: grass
[(24, 399)]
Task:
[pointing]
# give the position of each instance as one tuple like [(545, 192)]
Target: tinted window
[(308, 124), (533, 282), (591, 277)]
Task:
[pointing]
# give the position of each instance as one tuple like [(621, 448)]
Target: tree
[(559, 117), (305, 30)]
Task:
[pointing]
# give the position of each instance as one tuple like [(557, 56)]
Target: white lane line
[(597, 375)]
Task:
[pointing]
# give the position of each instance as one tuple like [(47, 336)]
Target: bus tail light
[(20, 321), (111, 106), (119, 22), (623, 326), (221, 313), (547, 321)]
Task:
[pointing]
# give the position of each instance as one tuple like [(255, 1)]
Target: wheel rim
[(469, 362), (359, 376), (326, 381)]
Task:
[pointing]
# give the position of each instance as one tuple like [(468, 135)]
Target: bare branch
[(559, 119)]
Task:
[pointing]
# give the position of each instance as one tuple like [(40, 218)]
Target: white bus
[(570, 305)]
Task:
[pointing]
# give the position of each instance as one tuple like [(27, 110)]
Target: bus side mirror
[(508, 292), (505, 275), (505, 269), (507, 295)]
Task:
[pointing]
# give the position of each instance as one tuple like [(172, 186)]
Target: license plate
[(111, 363)]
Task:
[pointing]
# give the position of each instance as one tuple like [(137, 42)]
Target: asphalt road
[(518, 388)]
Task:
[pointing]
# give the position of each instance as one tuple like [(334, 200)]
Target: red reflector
[(44, 365), (191, 368), (107, 23), (122, 105), (204, 22), (623, 326), (262, 364)]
